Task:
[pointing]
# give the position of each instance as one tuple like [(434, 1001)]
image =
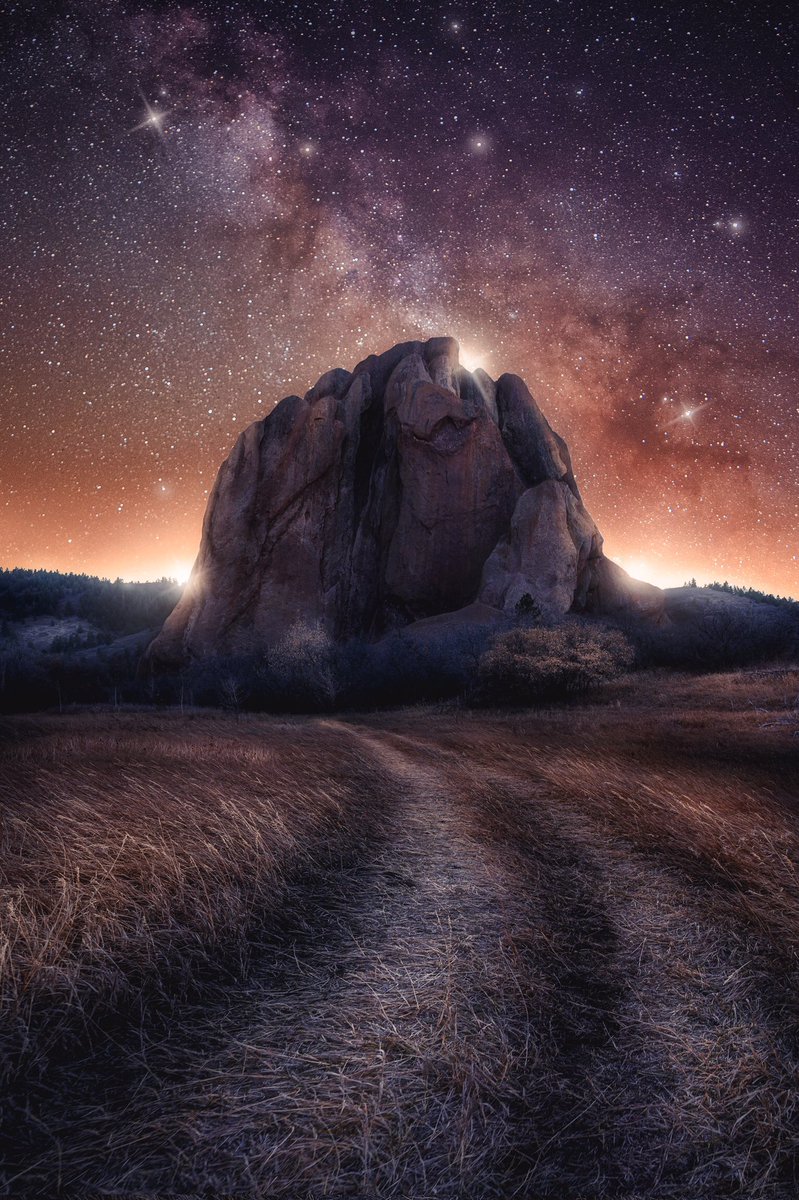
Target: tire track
[(394, 1053), (697, 1049), (498, 998)]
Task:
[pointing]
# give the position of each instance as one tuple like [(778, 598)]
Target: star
[(479, 143), (153, 119), (688, 414)]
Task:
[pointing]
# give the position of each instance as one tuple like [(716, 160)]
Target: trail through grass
[(538, 955)]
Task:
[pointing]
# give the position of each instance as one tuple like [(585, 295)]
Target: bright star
[(734, 226), (153, 119), (479, 143), (688, 414)]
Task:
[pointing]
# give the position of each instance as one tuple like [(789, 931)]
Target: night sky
[(205, 206)]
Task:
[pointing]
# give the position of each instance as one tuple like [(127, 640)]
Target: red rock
[(550, 553), (405, 490)]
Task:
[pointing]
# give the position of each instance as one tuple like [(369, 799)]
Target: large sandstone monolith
[(407, 489)]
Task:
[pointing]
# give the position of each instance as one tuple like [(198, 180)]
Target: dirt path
[(381, 1044), (470, 1010), (663, 997)]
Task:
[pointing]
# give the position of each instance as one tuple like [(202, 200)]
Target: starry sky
[(207, 205)]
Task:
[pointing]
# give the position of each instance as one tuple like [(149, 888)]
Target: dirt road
[(508, 992)]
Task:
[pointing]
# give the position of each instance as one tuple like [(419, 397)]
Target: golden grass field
[(435, 953)]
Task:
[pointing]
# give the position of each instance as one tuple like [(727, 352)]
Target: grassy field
[(429, 953)]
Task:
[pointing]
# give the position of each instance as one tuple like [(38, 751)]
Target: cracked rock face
[(407, 489)]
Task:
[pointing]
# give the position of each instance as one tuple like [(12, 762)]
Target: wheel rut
[(380, 1037), (474, 1003)]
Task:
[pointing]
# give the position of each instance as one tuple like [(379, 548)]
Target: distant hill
[(747, 593), (75, 638), (110, 606)]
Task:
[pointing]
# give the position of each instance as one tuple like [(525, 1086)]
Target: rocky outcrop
[(549, 552), (406, 489)]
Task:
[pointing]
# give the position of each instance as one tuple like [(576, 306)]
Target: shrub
[(403, 669), (303, 667), (528, 609), (540, 663), (719, 639)]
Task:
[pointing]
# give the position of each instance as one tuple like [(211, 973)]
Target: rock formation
[(407, 489)]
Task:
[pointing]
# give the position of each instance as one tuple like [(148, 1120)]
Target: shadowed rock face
[(404, 490)]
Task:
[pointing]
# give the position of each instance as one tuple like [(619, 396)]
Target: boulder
[(550, 553)]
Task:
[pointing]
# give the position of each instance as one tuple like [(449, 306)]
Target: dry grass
[(140, 857), (537, 954), (130, 851)]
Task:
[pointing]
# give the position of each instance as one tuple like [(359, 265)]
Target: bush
[(528, 609), (403, 669), (720, 639), (547, 663), (303, 668)]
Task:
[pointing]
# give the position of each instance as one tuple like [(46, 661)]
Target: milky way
[(206, 206)]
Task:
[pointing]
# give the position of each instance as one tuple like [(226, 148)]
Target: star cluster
[(209, 204)]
